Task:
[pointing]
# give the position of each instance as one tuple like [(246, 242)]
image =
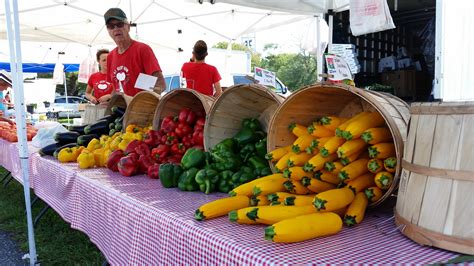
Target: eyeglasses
[(112, 26)]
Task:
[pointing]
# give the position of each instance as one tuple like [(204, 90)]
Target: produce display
[(230, 163), (329, 175), (8, 132)]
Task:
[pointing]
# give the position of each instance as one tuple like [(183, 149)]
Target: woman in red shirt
[(98, 89), (200, 76)]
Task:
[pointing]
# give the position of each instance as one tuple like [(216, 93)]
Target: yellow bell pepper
[(66, 155), (138, 136), (99, 157), (123, 144), (86, 159), (117, 134), (103, 139), (132, 128), (115, 143), (105, 155), (94, 144), (128, 136)]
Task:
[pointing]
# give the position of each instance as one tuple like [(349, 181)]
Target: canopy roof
[(310, 7)]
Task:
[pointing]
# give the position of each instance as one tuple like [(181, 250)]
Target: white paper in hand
[(145, 82)]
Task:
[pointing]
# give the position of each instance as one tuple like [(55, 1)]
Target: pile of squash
[(328, 176)]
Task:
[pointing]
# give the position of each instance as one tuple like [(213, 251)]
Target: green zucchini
[(99, 128), (78, 129), (66, 137), (119, 111), (85, 139), (49, 149)]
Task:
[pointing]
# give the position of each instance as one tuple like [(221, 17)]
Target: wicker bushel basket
[(314, 101), (116, 100), (235, 104), (92, 113), (435, 203), (174, 101), (141, 109)]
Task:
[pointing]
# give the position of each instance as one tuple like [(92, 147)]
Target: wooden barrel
[(116, 100), (311, 102), (435, 203), (141, 109), (92, 113), (174, 101), (235, 104)]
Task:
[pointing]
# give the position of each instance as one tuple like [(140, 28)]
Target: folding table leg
[(5, 176), (35, 199), (7, 181), (42, 212)]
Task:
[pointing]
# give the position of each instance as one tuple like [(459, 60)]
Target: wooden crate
[(93, 113)]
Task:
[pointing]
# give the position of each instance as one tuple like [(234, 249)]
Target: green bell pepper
[(245, 136), (225, 181), (169, 174), (261, 147), (247, 151), (251, 123), (244, 175), (225, 160), (225, 145), (193, 158), (257, 162), (207, 180), (187, 180), (263, 171)]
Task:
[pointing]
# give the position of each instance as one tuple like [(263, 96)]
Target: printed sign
[(265, 77), (337, 68)]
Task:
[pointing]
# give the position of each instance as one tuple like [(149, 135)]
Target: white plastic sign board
[(337, 68), (145, 82), (265, 77)]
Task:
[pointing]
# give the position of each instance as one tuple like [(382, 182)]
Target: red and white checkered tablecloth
[(10, 159), (134, 220)]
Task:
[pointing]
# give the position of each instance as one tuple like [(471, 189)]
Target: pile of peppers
[(232, 162)]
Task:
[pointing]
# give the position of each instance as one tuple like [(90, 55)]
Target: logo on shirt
[(121, 76), (103, 85)]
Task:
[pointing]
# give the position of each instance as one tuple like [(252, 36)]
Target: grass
[(56, 242)]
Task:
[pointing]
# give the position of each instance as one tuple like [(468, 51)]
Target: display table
[(134, 220), (10, 159)]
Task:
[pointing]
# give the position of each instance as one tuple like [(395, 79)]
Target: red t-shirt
[(200, 77), (99, 84), (123, 69)]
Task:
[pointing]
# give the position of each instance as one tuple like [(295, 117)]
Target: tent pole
[(17, 71), (319, 51), (330, 32)]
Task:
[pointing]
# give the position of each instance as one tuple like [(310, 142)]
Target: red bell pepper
[(188, 141), (113, 160), (142, 149), (153, 171), (170, 138), (198, 138), (200, 122), (159, 153), (187, 116), (149, 138), (144, 162), (178, 148), (175, 159), (169, 124), (158, 134), (127, 165), (131, 146), (183, 129)]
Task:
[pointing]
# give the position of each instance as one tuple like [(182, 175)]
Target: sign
[(337, 68), (265, 77), (249, 42), (145, 82)]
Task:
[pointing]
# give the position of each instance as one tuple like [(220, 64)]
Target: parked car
[(174, 82), (72, 106)]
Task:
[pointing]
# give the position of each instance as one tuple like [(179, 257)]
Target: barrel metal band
[(439, 172)]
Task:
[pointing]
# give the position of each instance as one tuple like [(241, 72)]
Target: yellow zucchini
[(299, 159), (373, 194), (246, 189), (261, 200), (269, 186), (278, 196), (333, 199), (383, 179), (296, 187), (299, 200), (317, 162), (220, 207), (354, 146), (333, 167), (375, 165), (276, 154), (328, 177), (304, 227), (240, 216), (382, 150), (376, 135), (321, 142), (282, 164), (331, 146), (353, 170), (390, 164), (358, 126), (331, 122), (298, 130), (296, 173), (361, 154), (362, 182), (319, 131), (274, 214), (303, 142), (356, 210), (340, 129), (315, 185)]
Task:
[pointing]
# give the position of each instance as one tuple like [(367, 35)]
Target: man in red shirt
[(200, 76), (130, 57)]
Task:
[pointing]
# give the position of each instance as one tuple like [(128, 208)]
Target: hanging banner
[(337, 68), (265, 77)]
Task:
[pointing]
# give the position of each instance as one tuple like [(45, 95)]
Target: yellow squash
[(261, 200), (333, 199), (303, 142), (383, 179), (276, 154), (373, 194), (331, 122), (304, 227), (269, 186), (296, 173), (298, 159), (333, 167), (317, 162), (299, 200), (376, 135), (278, 197), (358, 126), (282, 164), (240, 216), (362, 182), (390, 164), (356, 210), (315, 185), (295, 187), (298, 130), (220, 207), (382, 150), (273, 214), (353, 170), (340, 129), (350, 147), (319, 131), (375, 165), (331, 146), (328, 177), (246, 189)]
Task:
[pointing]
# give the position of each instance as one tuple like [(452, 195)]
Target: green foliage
[(73, 87)]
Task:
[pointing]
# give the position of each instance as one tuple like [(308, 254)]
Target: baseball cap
[(115, 13), (5, 76)]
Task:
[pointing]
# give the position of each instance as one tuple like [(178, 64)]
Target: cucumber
[(118, 127), (99, 128), (112, 125), (119, 111), (70, 145), (78, 129), (112, 132), (85, 139), (49, 150), (66, 137)]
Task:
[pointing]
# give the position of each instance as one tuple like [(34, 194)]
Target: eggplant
[(85, 139), (78, 129), (69, 145), (99, 128), (119, 111), (66, 137), (49, 150)]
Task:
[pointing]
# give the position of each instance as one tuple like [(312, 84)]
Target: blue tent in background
[(40, 68)]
